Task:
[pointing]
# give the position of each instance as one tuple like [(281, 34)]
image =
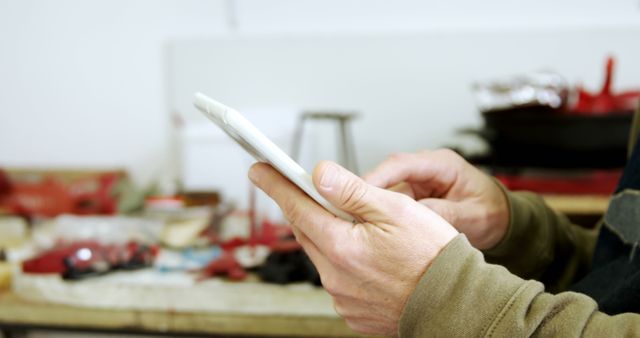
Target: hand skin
[(442, 180), (369, 267)]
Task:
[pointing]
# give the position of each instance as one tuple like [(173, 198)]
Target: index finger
[(321, 227), (432, 168)]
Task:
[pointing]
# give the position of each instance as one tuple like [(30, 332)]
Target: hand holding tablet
[(261, 148)]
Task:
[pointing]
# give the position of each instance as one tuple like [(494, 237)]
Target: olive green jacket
[(463, 295)]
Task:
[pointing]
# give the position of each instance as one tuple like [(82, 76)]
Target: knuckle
[(454, 159), (291, 211), (396, 157), (449, 154)]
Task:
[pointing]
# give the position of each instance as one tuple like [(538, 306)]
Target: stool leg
[(352, 151), (343, 145), (297, 139), (347, 152)]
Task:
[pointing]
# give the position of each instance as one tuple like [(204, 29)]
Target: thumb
[(350, 193), (446, 209)]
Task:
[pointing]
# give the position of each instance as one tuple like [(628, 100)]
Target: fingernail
[(329, 176)]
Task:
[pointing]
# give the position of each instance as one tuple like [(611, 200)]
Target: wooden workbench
[(578, 205), (16, 312), (584, 210)]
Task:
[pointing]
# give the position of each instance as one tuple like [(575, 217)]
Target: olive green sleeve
[(461, 295), (542, 244)]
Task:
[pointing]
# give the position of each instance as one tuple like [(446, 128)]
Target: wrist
[(496, 217)]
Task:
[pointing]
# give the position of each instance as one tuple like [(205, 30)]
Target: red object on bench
[(596, 183), (605, 102), (49, 196)]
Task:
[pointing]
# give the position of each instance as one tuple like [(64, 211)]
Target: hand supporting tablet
[(261, 148)]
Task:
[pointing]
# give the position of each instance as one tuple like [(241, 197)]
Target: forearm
[(541, 244), (461, 295)]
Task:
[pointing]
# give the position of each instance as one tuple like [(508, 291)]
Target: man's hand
[(442, 180), (371, 267)]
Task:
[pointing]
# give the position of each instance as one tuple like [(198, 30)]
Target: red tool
[(593, 183), (606, 102), (86, 258), (225, 265), (50, 197), (277, 237), (5, 183)]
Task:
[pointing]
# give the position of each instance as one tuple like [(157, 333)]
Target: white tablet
[(261, 148)]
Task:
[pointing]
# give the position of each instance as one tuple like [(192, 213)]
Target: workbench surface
[(17, 312)]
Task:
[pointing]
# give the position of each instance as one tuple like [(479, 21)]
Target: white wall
[(412, 90), (368, 16), (85, 83)]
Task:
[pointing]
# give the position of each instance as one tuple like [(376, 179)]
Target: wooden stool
[(346, 148)]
